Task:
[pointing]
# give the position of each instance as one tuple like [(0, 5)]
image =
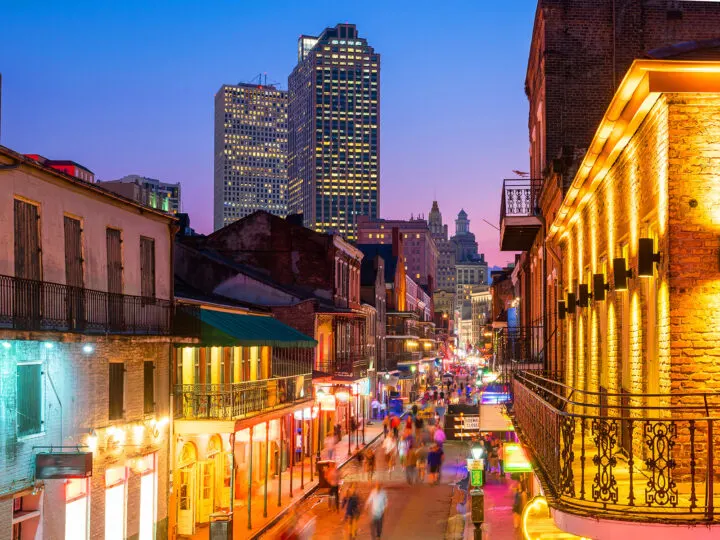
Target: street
[(418, 511)]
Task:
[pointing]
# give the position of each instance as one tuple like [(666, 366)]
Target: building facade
[(334, 131), (147, 191), (86, 316), (419, 249), (67, 166), (251, 145)]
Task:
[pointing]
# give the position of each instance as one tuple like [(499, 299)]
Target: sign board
[(475, 464), (515, 459), (327, 402), (470, 423), (59, 466), (476, 477)]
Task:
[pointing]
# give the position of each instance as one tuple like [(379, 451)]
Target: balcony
[(345, 364), (232, 401), (519, 222), (628, 457), (44, 306), (519, 347)]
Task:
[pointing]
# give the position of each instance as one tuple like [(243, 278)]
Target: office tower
[(250, 152), (334, 131), (148, 191)]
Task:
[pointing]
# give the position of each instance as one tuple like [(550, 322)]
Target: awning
[(223, 328)]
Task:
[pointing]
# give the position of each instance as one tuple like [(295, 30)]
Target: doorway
[(186, 492)]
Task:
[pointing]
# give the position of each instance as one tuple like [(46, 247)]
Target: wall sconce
[(561, 310), (621, 274), (599, 287), (646, 257), (571, 303), (583, 295)]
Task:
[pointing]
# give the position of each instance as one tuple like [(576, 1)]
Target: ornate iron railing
[(239, 400), (643, 457), (27, 304), (518, 348), (520, 197)]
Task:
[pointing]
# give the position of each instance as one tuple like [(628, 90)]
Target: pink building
[(419, 249)]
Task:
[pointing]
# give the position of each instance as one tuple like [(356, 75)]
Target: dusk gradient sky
[(127, 88)]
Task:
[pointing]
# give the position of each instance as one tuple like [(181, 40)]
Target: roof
[(224, 328), (186, 291), (370, 251), (82, 184)]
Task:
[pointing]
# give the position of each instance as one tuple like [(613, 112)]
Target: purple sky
[(128, 88)]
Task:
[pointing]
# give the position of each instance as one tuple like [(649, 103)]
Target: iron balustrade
[(520, 197), (227, 401), (638, 457), (518, 347), (27, 304)]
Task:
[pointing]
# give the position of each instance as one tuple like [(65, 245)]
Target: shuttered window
[(29, 399), (149, 387), (27, 241), (147, 267), (73, 253), (114, 261), (117, 390)]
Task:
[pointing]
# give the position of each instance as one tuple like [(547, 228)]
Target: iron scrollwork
[(605, 434), (660, 440), (567, 456)]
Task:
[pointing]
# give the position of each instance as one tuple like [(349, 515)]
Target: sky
[(128, 88)]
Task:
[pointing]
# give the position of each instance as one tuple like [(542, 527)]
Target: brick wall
[(81, 381)]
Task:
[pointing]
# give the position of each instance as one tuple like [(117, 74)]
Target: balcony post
[(280, 464), (291, 449), (710, 474), (311, 444), (267, 465), (302, 450), (250, 472)]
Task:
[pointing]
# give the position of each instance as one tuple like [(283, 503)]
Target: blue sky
[(128, 87)]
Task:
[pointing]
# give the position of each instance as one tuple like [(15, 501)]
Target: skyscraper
[(250, 151), (446, 249), (334, 131), (149, 191)]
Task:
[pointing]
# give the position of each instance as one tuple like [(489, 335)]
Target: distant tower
[(462, 223), (446, 250)]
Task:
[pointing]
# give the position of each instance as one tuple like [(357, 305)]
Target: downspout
[(57, 397)]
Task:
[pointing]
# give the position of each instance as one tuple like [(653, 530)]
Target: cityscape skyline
[(165, 131)]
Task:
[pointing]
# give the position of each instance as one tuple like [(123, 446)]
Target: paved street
[(420, 511)]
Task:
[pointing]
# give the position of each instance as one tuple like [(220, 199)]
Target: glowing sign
[(327, 402), (515, 459)]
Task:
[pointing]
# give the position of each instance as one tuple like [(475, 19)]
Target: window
[(149, 387), (29, 399), (147, 267), (27, 241), (73, 252), (117, 390)]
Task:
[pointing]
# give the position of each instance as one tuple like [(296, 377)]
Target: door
[(74, 274), (206, 491), (28, 266), (116, 316), (186, 500)]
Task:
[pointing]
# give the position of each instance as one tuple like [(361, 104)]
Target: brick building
[(85, 322)]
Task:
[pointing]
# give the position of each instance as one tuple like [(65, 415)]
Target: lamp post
[(477, 496)]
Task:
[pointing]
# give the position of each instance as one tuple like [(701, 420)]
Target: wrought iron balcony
[(519, 347), (636, 457), (519, 221), (345, 364), (27, 304), (239, 400)]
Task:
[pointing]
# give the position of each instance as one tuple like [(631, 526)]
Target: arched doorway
[(186, 467), (222, 470)]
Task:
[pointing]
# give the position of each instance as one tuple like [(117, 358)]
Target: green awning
[(221, 328)]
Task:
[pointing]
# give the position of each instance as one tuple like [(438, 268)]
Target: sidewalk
[(241, 531)]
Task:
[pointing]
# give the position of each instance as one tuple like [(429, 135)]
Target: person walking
[(377, 503), (395, 425), (411, 465), (351, 504), (386, 426), (519, 502), (333, 479), (370, 464), (422, 455), (435, 459), (390, 448)]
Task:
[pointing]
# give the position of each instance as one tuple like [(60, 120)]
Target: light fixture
[(599, 287), (87, 348), (646, 257), (571, 303), (562, 310), (48, 345), (477, 451), (6, 344), (621, 274), (583, 295)]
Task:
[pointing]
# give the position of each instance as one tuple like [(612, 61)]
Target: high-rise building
[(418, 246), (148, 191), (445, 276), (466, 248), (250, 152), (334, 131)]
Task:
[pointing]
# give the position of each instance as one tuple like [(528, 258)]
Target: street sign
[(476, 477), (475, 465)]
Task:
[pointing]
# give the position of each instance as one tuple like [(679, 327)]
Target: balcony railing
[(641, 457), (348, 363), (27, 304), (239, 400), (518, 213)]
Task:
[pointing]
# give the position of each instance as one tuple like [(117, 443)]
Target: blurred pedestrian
[(395, 425), (351, 504), (333, 479), (519, 501), (386, 426), (390, 448), (411, 461), (435, 459), (377, 503), (330, 446), (370, 464), (422, 454), (337, 430)]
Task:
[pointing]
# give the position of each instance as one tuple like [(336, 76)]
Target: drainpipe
[(57, 397)]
